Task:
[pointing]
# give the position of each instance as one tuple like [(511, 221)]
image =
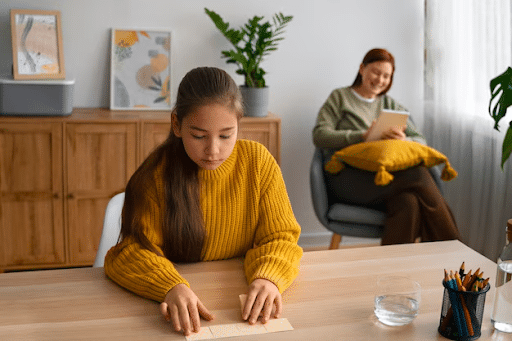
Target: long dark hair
[(182, 227), (372, 56)]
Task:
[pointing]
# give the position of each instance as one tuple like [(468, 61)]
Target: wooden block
[(224, 330), (277, 325), (251, 329), (204, 333)]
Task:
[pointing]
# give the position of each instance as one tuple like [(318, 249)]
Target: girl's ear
[(175, 125), (361, 68)]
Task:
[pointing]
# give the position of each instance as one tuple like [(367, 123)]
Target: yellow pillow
[(384, 156)]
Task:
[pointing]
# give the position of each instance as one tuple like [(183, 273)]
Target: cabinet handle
[(71, 196), (56, 196)]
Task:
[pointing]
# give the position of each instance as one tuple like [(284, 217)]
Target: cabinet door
[(266, 132), (100, 160), (153, 134), (31, 200)]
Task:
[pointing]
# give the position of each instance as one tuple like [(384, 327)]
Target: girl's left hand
[(262, 296)]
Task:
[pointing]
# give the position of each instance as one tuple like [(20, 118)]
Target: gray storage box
[(36, 97)]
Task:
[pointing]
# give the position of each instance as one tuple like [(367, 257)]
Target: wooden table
[(332, 299)]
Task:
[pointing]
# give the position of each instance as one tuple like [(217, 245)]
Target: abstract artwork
[(37, 45), (140, 69)]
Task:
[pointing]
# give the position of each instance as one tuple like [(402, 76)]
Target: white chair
[(111, 228)]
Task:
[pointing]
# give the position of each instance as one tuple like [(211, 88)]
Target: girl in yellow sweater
[(204, 195)]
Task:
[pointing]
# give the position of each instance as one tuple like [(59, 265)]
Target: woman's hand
[(394, 133), (367, 132), (182, 307), (262, 296)]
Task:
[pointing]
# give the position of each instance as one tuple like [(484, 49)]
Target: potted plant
[(252, 42), (502, 86)]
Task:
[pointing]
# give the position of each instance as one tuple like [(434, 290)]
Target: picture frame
[(37, 49), (140, 67)]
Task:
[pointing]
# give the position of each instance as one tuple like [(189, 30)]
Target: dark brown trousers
[(412, 201)]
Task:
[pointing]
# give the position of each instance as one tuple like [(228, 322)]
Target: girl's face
[(209, 134), (376, 77)]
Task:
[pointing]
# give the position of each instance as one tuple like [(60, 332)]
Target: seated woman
[(413, 203), (204, 195)]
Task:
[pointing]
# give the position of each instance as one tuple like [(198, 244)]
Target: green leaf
[(500, 86), (159, 99), (253, 41), (234, 36), (507, 146)]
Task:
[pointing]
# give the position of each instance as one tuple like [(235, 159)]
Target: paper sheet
[(241, 329)]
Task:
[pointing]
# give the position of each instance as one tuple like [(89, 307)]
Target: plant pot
[(255, 101)]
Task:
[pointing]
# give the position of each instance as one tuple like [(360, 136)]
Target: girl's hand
[(394, 133), (365, 135), (262, 296), (182, 307)]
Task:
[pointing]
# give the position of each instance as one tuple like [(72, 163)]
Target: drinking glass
[(397, 300)]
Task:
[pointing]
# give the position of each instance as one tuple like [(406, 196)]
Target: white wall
[(323, 47)]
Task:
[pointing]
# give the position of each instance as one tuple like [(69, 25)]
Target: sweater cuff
[(281, 267), (149, 277)]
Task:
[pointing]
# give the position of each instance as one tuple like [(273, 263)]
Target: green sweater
[(344, 118)]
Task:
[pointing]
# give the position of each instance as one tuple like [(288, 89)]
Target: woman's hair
[(376, 55), (183, 232)]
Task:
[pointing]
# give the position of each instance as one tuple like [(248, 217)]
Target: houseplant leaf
[(501, 99), (253, 41), (500, 86), (507, 146)]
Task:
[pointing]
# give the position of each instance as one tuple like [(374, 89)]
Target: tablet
[(387, 119)]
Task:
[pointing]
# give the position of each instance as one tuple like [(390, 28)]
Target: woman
[(413, 204), (204, 195)]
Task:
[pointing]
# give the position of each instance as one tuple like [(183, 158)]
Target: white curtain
[(468, 42)]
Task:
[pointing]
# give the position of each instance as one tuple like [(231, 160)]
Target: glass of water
[(397, 300)]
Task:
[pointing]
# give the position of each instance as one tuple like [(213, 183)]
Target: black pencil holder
[(462, 313)]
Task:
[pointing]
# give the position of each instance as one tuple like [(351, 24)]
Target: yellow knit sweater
[(246, 211)]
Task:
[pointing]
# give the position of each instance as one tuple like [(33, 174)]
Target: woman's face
[(376, 77), (209, 134)]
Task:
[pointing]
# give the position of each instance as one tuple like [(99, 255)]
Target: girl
[(204, 195), (412, 201)]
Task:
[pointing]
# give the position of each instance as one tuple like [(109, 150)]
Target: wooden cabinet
[(31, 194), (152, 135), (57, 175), (266, 130), (100, 158)]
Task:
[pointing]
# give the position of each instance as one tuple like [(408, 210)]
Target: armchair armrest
[(318, 188)]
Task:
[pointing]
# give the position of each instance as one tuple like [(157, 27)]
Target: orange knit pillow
[(385, 156)]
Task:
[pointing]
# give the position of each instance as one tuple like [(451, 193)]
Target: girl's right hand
[(183, 309)]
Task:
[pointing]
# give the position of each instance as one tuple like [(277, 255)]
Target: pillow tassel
[(334, 166), (448, 172), (383, 177)]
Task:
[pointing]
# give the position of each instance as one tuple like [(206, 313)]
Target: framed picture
[(37, 51), (140, 76)]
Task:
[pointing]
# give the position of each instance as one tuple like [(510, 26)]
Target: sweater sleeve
[(325, 132), (138, 269), (276, 255)]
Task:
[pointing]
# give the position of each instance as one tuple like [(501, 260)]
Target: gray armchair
[(345, 219)]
